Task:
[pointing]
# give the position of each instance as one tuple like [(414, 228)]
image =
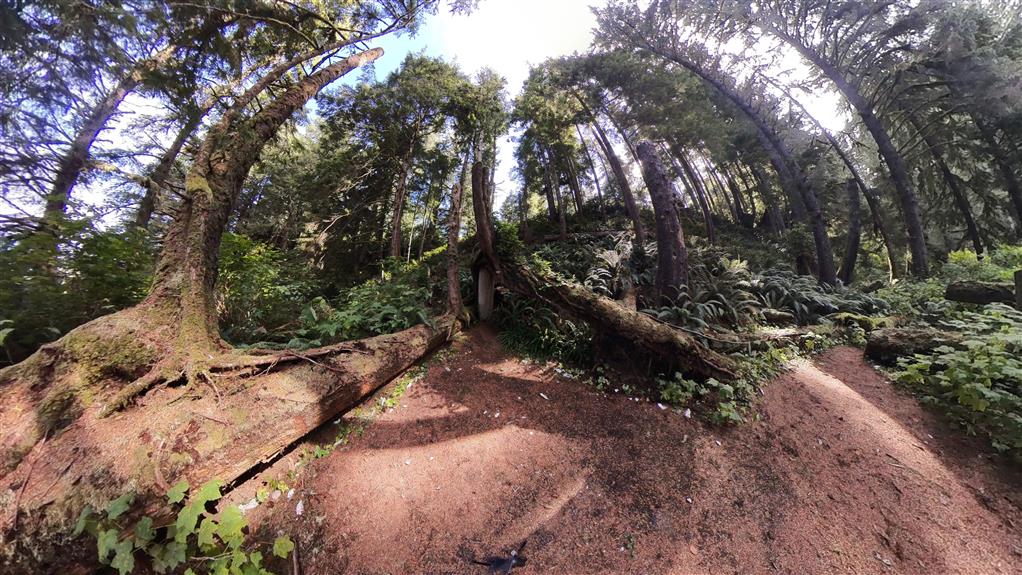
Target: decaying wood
[(980, 292), (663, 343), (886, 345), (196, 437)]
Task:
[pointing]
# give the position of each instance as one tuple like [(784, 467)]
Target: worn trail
[(841, 474)]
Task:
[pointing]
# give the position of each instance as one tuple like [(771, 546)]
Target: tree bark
[(71, 164), (454, 303), (895, 164), (672, 257), (626, 189), (267, 404), (980, 292), (704, 206), (854, 233), (665, 345), (592, 167), (399, 199), (158, 178)]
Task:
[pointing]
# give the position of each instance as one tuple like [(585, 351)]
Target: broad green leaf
[(210, 491), (118, 506), (283, 546), (186, 520), (105, 543), (177, 493), (124, 560), (230, 529), (83, 520), (144, 532), (206, 530)]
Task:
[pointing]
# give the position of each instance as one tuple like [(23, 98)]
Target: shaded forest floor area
[(842, 473)]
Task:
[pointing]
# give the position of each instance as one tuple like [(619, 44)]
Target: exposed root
[(137, 388)]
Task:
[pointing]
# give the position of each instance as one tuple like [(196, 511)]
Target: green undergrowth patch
[(979, 383), (196, 539)]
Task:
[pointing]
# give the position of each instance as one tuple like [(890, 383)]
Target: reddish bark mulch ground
[(842, 473)]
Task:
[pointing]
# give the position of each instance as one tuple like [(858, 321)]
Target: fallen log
[(886, 345), (668, 346), (260, 406), (980, 292)]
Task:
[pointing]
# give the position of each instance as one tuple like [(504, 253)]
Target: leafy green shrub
[(998, 265), (808, 300), (196, 540), (533, 330), (260, 289), (95, 272), (979, 385)]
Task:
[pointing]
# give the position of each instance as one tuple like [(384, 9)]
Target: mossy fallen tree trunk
[(885, 346), (250, 409), (666, 345), (980, 292)]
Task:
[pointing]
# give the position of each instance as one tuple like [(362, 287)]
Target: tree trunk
[(626, 190), (576, 188), (484, 221), (980, 292), (104, 365), (774, 214), (399, 200), (265, 405), (1004, 165), (592, 167), (854, 233), (158, 178), (665, 345), (672, 257), (454, 303), (73, 161), (879, 223), (896, 166), (704, 206), (961, 199), (186, 273)]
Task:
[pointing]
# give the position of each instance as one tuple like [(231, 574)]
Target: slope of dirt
[(841, 474)]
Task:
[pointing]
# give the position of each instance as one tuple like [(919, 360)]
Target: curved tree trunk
[(71, 164), (704, 206), (1004, 165), (592, 167), (854, 233), (72, 385), (961, 199), (626, 189), (885, 146), (158, 178), (672, 257)]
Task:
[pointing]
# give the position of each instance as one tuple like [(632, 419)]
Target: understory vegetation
[(203, 201)]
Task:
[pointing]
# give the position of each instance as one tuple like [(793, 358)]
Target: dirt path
[(841, 474)]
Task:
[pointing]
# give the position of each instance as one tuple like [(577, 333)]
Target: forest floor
[(841, 473)]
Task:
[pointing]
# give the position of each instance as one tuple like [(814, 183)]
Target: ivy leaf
[(186, 520), (124, 560), (83, 520), (210, 491), (231, 524), (144, 532), (283, 546), (118, 506), (206, 531), (105, 543), (170, 557), (177, 493)]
